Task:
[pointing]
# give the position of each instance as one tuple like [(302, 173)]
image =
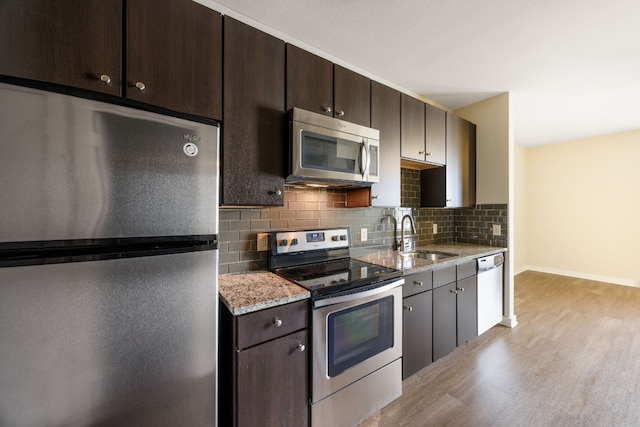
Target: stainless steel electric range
[(356, 323)]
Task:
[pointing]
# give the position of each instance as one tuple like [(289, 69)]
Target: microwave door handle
[(364, 154)]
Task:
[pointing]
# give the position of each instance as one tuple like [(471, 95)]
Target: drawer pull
[(277, 323), (301, 347), (415, 282), (408, 307), (455, 291)]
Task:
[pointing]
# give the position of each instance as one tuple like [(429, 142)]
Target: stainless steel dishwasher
[(490, 286)]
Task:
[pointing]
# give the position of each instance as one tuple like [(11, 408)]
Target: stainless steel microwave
[(331, 151)]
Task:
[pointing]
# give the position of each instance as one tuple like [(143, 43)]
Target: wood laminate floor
[(572, 360)]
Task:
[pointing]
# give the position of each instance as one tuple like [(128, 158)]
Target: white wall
[(583, 208), (520, 208)]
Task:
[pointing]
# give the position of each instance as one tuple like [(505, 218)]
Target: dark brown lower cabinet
[(272, 383), (416, 333), (455, 312), (444, 320), (263, 367), (467, 310)]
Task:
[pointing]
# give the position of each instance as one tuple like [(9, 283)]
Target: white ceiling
[(572, 66)]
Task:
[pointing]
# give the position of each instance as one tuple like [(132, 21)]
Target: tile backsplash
[(317, 208)]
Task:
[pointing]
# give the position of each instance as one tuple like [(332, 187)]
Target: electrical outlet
[(435, 228), (497, 230), (363, 234), (262, 242)]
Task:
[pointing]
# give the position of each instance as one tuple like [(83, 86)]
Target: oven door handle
[(351, 297)]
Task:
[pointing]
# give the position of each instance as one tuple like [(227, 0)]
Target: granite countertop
[(244, 293), (247, 292), (410, 265)]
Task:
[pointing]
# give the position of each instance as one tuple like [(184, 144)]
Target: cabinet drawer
[(416, 283), (260, 326), (467, 269), (444, 276)]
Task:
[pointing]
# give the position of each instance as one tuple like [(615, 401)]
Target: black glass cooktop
[(325, 278)]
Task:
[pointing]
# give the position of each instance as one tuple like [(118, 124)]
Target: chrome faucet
[(413, 230), (396, 244)]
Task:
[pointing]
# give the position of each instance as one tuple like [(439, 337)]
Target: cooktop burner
[(319, 261)]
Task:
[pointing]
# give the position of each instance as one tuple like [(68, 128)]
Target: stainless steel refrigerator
[(108, 264)]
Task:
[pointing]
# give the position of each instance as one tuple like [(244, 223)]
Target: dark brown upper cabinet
[(173, 49), (309, 81), (423, 134), (316, 84), (453, 186), (69, 42), (412, 128), (385, 116), (174, 56), (254, 132), (351, 96), (435, 142)]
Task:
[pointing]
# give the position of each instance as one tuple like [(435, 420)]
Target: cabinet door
[(253, 135), (385, 116), (68, 42), (309, 81), (444, 320), (352, 96), (433, 188), (461, 163), (416, 333), (273, 383), (412, 128), (435, 135), (467, 314), (174, 56)]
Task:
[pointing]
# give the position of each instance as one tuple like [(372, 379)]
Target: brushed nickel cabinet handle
[(408, 307), (301, 347), (340, 113), (326, 109), (140, 86), (277, 323), (106, 79)]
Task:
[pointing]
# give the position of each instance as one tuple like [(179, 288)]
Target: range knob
[(343, 237), (294, 242), (284, 242), (335, 238)]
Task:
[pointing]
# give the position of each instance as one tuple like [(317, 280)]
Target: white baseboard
[(509, 322), (579, 275)]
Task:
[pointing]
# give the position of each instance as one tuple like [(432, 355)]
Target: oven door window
[(331, 153), (358, 333)]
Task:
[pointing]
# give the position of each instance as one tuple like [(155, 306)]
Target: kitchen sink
[(428, 255)]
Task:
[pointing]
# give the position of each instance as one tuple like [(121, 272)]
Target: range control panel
[(311, 240)]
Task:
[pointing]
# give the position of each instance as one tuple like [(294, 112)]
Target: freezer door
[(73, 168), (118, 342)]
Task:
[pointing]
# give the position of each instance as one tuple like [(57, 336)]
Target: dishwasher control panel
[(489, 262)]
